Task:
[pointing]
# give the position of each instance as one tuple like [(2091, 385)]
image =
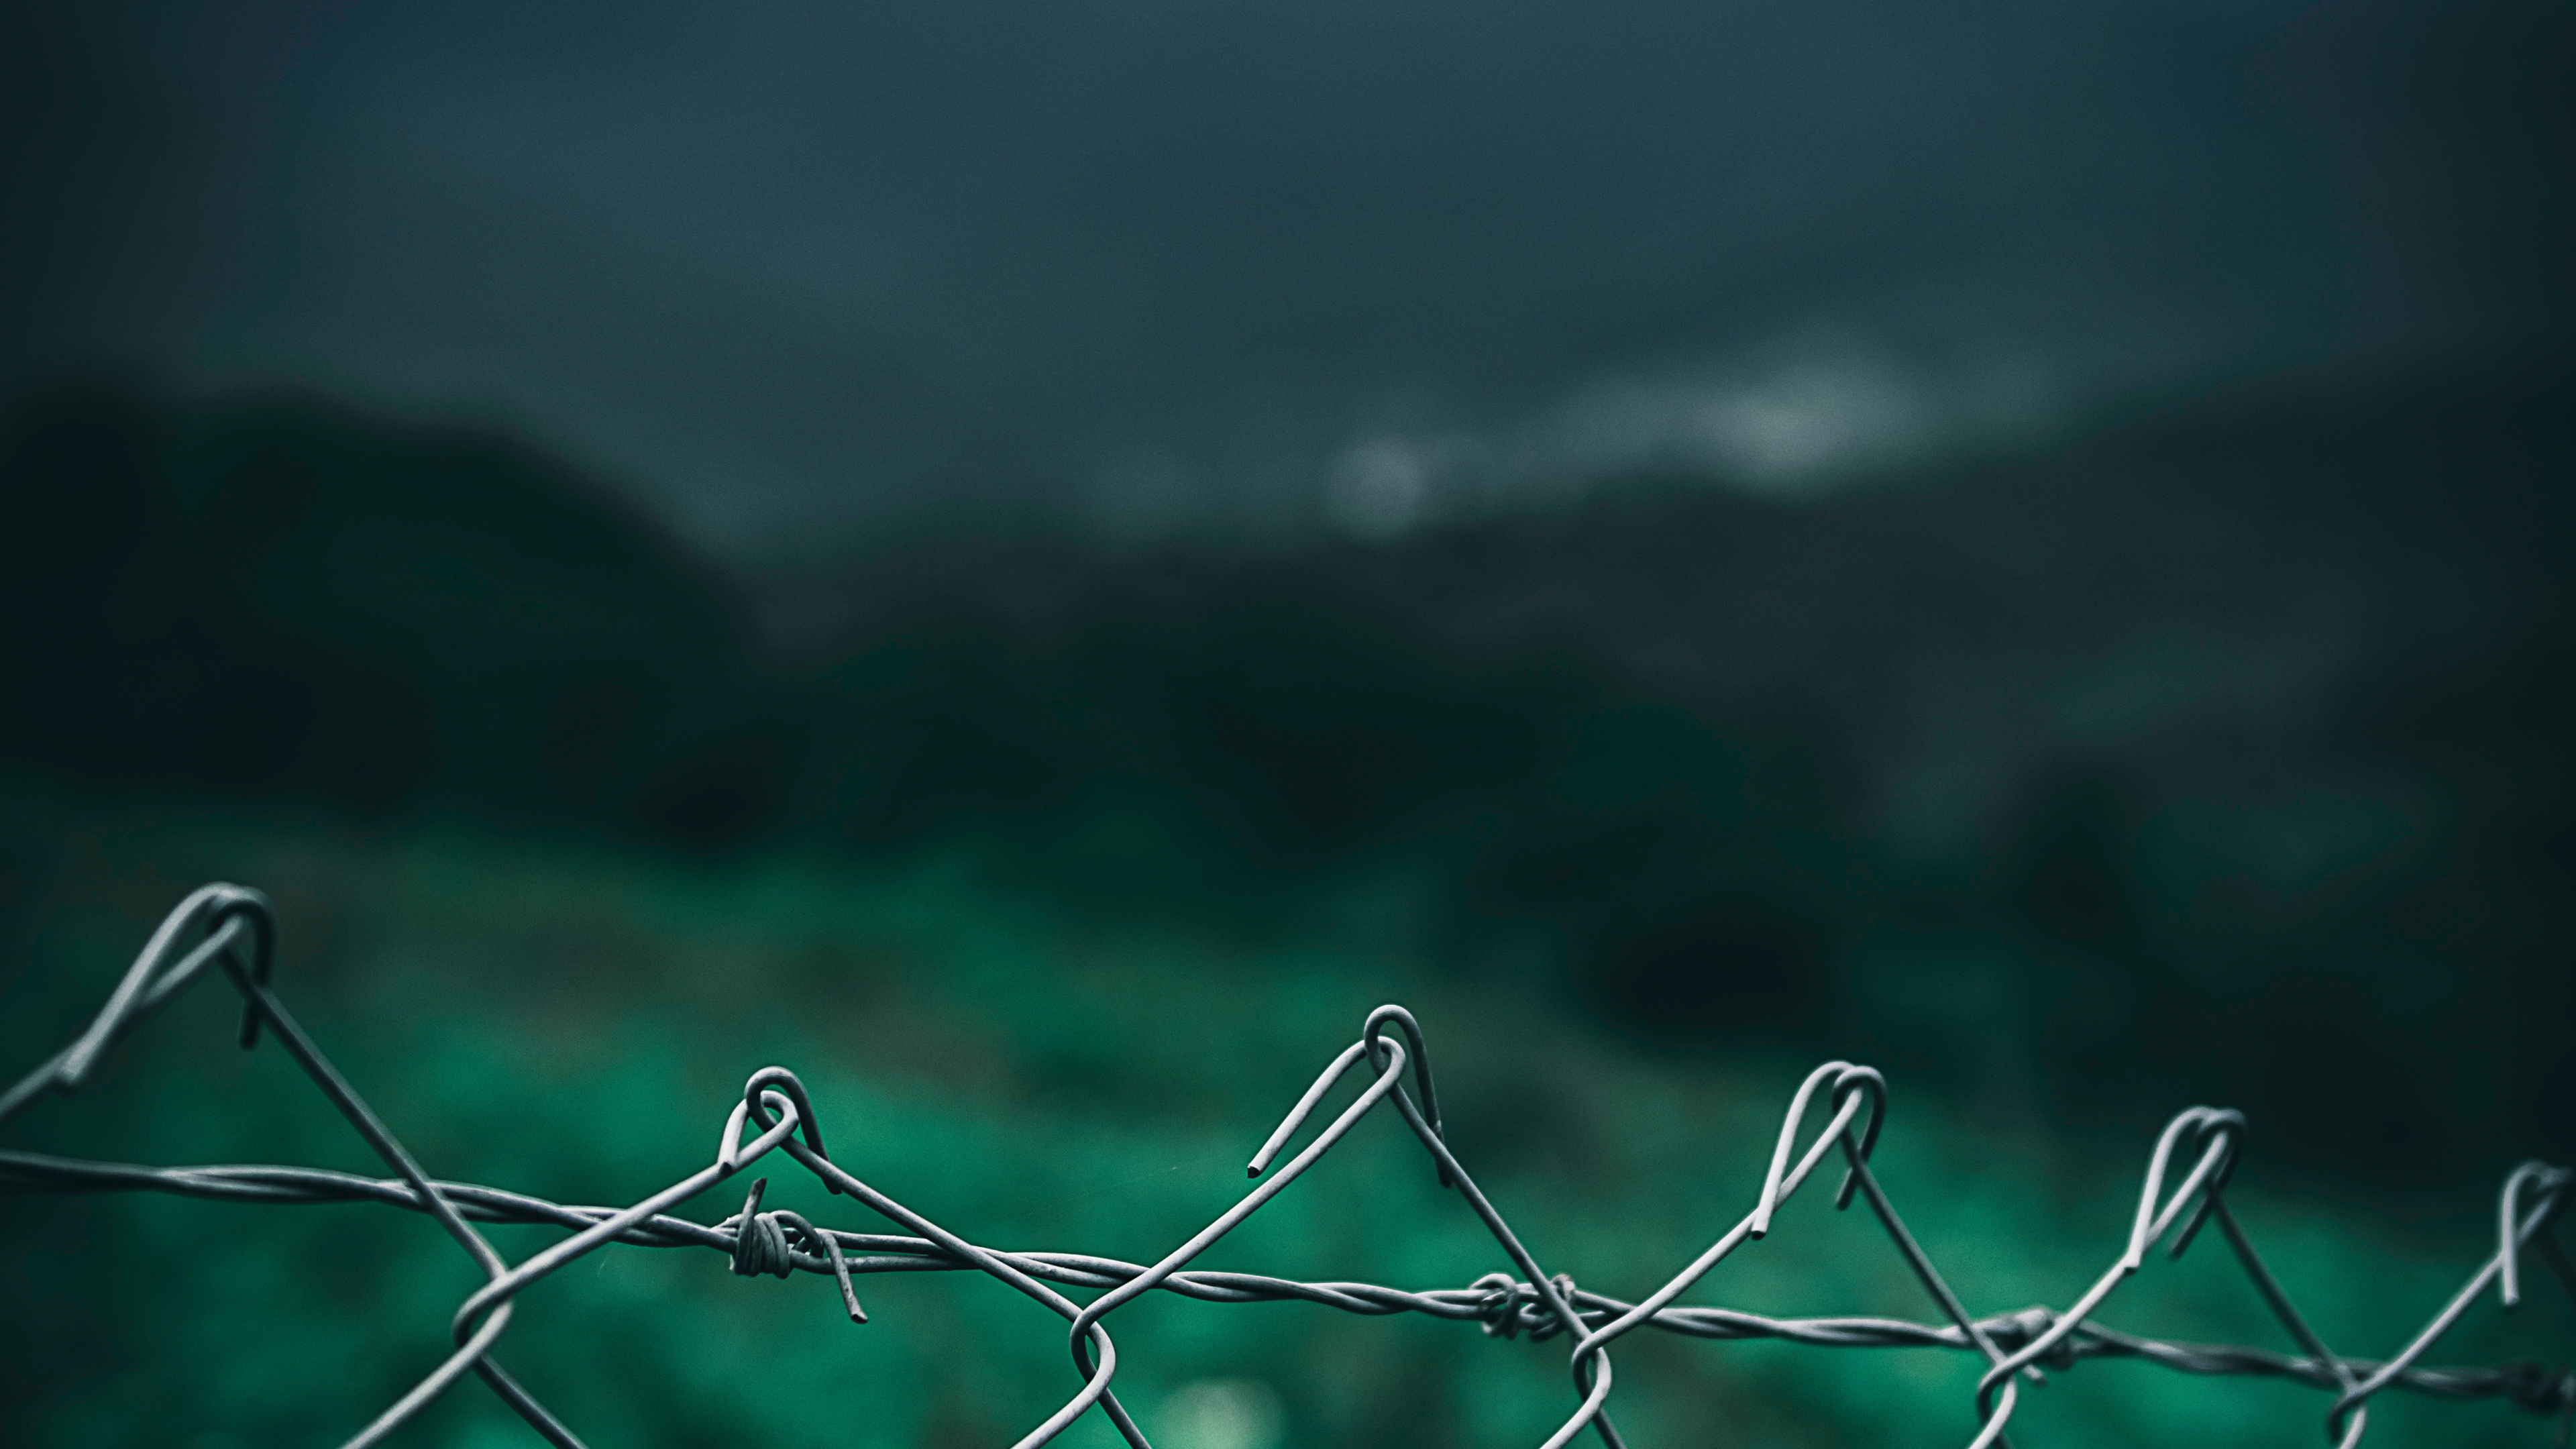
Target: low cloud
[(1801, 418)]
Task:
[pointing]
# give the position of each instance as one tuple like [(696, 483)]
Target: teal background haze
[(1033, 566)]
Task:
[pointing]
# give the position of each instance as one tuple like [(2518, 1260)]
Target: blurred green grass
[(561, 1016)]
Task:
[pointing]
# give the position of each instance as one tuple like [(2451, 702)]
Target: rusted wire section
[(232, 930)]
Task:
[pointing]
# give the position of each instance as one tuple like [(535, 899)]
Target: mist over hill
[(2221, 580)]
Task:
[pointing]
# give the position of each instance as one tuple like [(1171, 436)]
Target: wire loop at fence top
[(233, 930)]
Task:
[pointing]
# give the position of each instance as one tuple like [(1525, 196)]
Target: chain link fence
[(231, 929)]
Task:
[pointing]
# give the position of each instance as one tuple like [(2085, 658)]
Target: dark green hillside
[(279, 598)]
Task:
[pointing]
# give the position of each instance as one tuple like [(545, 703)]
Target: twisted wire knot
[(2012, 1331), (1498, 1308), (760, 1246), (1508, 1308), (2539, 1388)]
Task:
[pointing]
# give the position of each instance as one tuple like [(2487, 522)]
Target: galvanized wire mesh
[(233, 930)]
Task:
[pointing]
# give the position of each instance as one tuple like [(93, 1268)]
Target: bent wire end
[(1781, 1180), (145, 985), (2551, 1181), (1370, 1031), (1305, 1108), (781, 1083)]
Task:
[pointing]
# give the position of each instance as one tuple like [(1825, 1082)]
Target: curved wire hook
[(1386, 1058), (1850, 1084), (765, 1082), (1424, 1120), (1851, 1087), (1371, 1032), (2551, 1183), (478, 1320), (1297, 1115), (1847, 1080), (226, 912), (1373, 1043), (772, 1086), (1591, 1371), (2217, 1134)]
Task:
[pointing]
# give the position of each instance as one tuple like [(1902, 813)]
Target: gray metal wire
[(232, 929)]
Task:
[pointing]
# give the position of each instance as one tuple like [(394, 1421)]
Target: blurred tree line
[(285, 606)]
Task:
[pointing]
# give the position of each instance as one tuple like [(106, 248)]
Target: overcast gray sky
[(806, 276)]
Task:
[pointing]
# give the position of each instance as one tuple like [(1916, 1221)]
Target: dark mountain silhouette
[(280, 597)]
